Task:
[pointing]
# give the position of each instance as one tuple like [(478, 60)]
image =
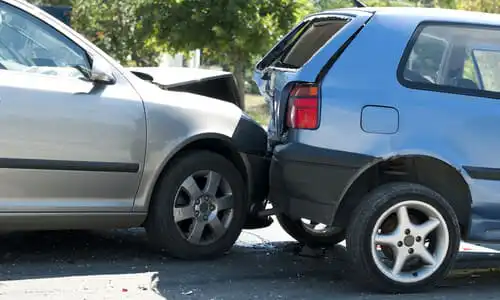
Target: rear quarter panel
[(278, 84), (366, 74), (458, 130)]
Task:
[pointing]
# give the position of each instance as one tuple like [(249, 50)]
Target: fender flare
[(185, 145), (377, 161)]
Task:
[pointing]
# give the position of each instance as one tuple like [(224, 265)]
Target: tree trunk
[(239, 74)]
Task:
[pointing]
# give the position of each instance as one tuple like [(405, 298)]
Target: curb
[(471, 263), (469, 272)]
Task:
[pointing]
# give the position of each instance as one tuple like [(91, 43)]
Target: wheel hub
[(203, 209), (409, 240), (204, 206)]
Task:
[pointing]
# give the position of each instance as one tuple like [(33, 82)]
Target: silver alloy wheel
[(318, 229), (407, 242), (203, 207)]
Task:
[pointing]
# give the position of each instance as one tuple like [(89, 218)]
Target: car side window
[(470, 69), (426, 58), (27, 44), (462, 59), (488, 66)]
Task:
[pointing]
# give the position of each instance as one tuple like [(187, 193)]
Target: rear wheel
[(199, 208), (403, 238), (311, 233)]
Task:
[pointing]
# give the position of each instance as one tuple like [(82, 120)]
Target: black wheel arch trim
[(483, 173), (323, 156), (185, 146), (477, 173), (250, 137), (187, 143)]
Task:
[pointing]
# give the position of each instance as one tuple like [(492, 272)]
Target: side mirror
[(102, 72)]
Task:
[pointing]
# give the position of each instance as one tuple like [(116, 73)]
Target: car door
[(301, 56), (66, 144)]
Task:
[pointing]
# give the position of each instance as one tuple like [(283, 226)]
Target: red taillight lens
[(303, 107)]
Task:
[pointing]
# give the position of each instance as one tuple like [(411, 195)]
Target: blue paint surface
[(459, 130)]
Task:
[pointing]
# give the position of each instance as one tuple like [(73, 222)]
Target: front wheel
[(199, 207), (403, 238)]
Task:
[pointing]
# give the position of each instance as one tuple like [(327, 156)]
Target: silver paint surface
[(132, 121)]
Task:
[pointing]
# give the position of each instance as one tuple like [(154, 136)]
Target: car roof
[(427, 14)]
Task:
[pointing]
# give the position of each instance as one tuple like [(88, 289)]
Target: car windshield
[(23, 46)]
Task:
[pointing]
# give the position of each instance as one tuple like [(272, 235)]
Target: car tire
[(401, 235), (297, 230), (189, 221)]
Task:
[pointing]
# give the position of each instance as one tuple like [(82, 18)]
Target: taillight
[(303, 107)]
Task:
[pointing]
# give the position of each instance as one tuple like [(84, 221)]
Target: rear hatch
[(302, 56)]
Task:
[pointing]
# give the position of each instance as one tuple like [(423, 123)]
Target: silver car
[(86, 144)]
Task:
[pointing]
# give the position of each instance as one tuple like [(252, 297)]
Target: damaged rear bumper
[(308, 182)]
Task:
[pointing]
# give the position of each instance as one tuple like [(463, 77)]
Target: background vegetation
[(231, 33)]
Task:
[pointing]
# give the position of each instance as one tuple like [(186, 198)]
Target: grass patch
[(257, 108)]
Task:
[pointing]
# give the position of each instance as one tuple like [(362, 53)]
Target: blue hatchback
[(385, 131)]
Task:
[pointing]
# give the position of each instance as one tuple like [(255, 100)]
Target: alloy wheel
[(417, 249), (203, 207)]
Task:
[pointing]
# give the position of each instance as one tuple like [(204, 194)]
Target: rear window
[(307, 41), (311, 39)]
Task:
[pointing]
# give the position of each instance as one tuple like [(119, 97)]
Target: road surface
[(265, 264)]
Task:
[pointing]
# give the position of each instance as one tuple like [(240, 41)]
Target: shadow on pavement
[(268, 272)]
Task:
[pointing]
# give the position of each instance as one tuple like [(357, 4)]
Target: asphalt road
[(265, 264)]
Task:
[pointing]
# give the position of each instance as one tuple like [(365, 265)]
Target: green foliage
[(231, 32), (115, 27), (332, 4), (490, 6), (231, 29), (469, 71)]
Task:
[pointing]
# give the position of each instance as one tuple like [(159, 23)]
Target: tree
[(490, 6), (231, 32), (332, 4), (329, 4), (115, 27)]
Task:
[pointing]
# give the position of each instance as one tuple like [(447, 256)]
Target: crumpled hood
[(172, 76), (210, 83), (189, 101), (199, 113)]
